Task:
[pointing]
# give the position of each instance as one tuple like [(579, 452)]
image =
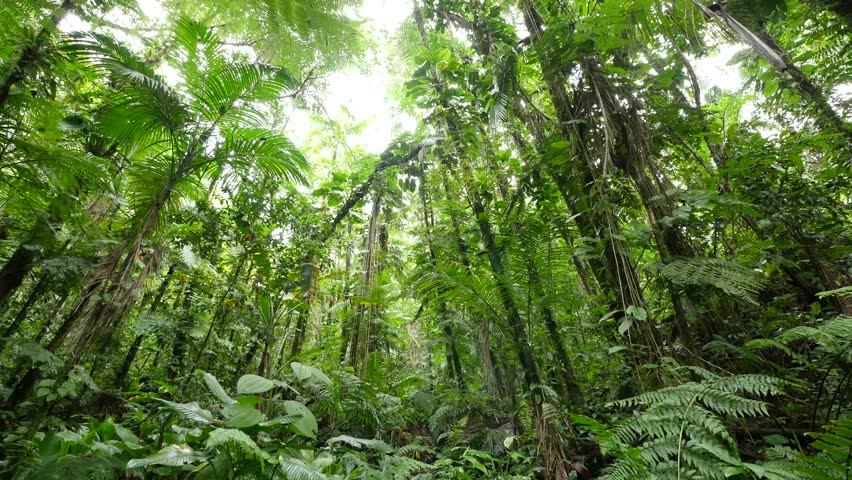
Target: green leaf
[(171, 456), (306, 424), (294, 469), (240, 416), (225, 436), (126, 436), (282, 420), (249, 384), (302, 372), (216, 389), (190, 411), (638, 313), (372, 444), (69, 436), (50, 447), (625, 325), (249, 400)]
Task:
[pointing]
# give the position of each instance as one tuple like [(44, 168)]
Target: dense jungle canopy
[(425, 239)]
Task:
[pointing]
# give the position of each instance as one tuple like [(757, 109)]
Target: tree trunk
[(179, 348), (299, 332), (453, 360), (578, 188), (359, 344), (218, 313), (35, 293), (121, 375), (25, 256)]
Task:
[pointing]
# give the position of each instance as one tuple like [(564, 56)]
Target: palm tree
[(209, 126)]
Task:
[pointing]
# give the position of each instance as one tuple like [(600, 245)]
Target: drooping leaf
[(190, 411), (294, 469), (306, 424), (217, 390), (304, 372)]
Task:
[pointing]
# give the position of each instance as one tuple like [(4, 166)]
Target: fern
[(399, 468), (733, 279), (443, 418), (43, 359), (415, 449), (682, 431), (835, 458), (833, 335), (832, 462)]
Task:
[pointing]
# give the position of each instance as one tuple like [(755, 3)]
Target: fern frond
[(682, 428), (729, 277)]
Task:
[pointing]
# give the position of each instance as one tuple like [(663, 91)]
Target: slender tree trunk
[(492, 379), (359, 344), (284, 338), (34, 295), (299, 333), (24, 257), (516, 325), (346, 324), (570, 385), (13, 272), (121, 375), (453, 360), (264, 360), (219, 311), (179, 348)]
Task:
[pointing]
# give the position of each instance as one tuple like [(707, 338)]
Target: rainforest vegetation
[(602, 239)]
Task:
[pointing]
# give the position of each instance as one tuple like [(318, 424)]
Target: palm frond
[(263, 151)]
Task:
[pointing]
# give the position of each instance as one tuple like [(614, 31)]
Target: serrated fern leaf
[(729, 277)]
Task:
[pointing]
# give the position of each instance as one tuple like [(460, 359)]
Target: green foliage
[(729, 277), (831, 462), (171, 456), (595, 254), (682, 431)]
